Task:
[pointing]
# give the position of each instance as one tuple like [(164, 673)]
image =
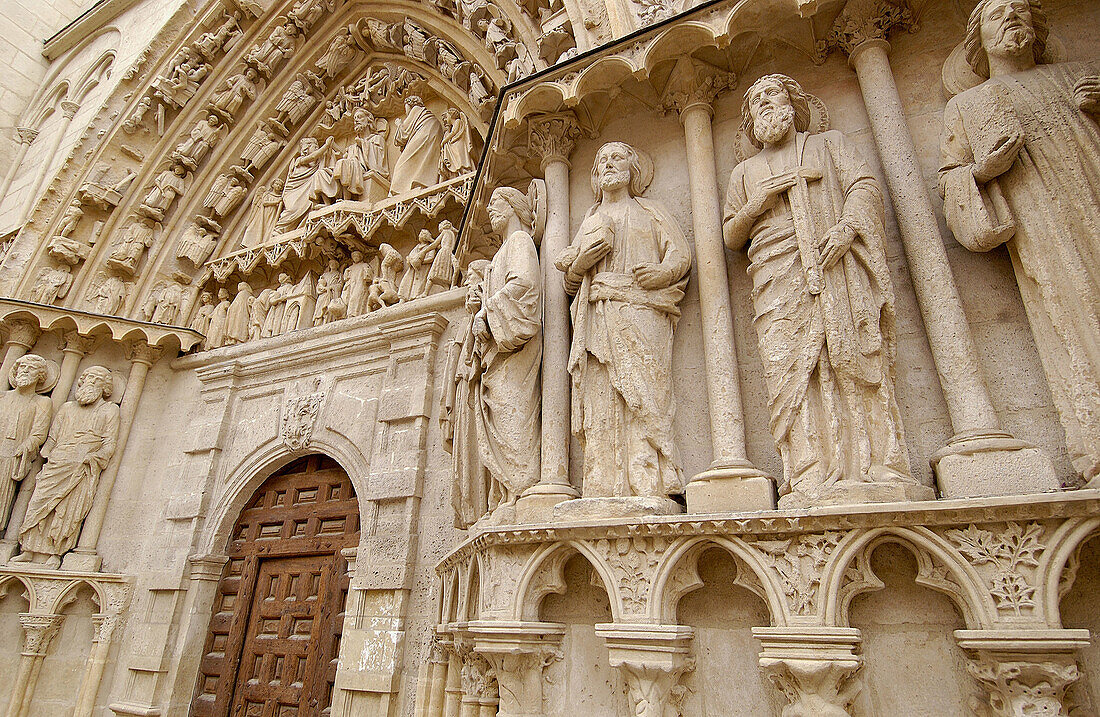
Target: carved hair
[(36, 362), (975, 53), (641, 172), (414, 100), (799, 101), (106, 383), (520, 203)]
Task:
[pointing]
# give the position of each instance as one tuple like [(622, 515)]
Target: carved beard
[(612, 178), (772, 123), (88, 393), (1015, 37)]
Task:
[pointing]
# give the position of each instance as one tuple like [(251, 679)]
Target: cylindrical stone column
[(26, 136), (93, 670), (68, 111), (22, 336)]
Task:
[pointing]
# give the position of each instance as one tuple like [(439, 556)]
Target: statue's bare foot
[(53, 562), (24, 557)]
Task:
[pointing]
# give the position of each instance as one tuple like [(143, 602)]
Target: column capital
[(207, 566), (552, 136), (69, 108), (694, 84), (26, 135), (865, 21), (651, 659), (1013, 687), (23, 333), (104, 625), (72, 342), (814, 667), (140, 352), (38, 630)]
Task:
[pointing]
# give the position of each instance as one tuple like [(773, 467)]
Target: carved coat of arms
[(299, 416)]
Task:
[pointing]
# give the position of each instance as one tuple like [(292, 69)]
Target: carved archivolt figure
[(302, 95), (62, 246), (107, 294), (419, 135), (260, 224), (227, 192), (164, 302), (131, 247), (235, 90), (51, 284), (197, 242), (414, 283), (1021, 164), (168, 185), (24, 423), (265, 143), (280, 45), (341, 51), (627, 267), (306, 180), (202, 138), (812, 215), (80, 444), (457, 156)]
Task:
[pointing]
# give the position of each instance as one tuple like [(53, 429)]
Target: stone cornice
[(83, 26)]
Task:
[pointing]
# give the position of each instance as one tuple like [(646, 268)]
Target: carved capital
[(477, 676), (26, 135), (694, 84), (69, 108), (23, 333), (814, 667), (38, 630), (207, 567), (104, 625), (140, 352), (651, 659), (1016, 687), (553, 137), (73, 343), (864, 21)]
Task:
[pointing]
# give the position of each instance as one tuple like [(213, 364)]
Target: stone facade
[(547, 357)]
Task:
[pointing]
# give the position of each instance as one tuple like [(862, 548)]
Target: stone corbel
[(1022, 672), (651, 659), (815, 668), (518, 653)]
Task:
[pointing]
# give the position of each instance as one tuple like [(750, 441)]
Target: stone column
[(74, 347), (980, 458), (518, 652), (452, 697), (93, 669), (26, 137), (38, 631), (1023, 672), (651, 659), (552, 137), (22, 336), (731, 482), (84, 557), (814, 668), (68, 111), (478, 687), (439, 661)]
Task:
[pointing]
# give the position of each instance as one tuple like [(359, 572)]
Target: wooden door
[(273, 642)]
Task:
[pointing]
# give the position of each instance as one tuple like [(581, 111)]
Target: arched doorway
[(274, 635)]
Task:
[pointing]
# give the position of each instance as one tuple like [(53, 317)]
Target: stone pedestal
[(613, 508), (992, 464), (856, 492), (741, 488), (378, 188)]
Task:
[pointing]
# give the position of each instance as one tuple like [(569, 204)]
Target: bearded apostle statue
[(627, 269), (24, 423), (1021, 166), (812, 216), (81, 442)]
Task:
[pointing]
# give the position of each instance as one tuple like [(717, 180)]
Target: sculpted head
[(307, 145), (1006, 28), (508, 202), (771, 106), (223, 294), (618, 165), (413, 101), (28, 371), (95, 383)]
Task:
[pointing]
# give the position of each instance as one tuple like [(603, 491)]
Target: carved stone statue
[(330, 285), (812, 215), (80, 444), (457, 155), (419, 135), (302, 96), (165, 300), (266, 141), (306, 13), (341, 51), (305, 181), (257, 314), (181, 82), (222, 38), (206, 133), (198, 241), (507, 343), (239, 314), (383, 290), (365, 153), (51, 284), (201, 320), (444, 269), (235, 90), (260, 223), (62, 246), (24, 423), (107, 294), (298, 302), (627, 267), (168, 185), (272, 52), (219, 321), (414, 283), (137, 237), (1021, 157), (357, 281), (225, 195), (273, 321)]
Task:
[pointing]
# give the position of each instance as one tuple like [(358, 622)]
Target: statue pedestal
[(725, 489), (537, 503), (613, 508), (990, 465), (84, 561), (856, 492), (8, 549)]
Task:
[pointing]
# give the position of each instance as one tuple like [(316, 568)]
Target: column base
[(992, 464), (536, 505), (82, 562), (739, 488), (613, 508)]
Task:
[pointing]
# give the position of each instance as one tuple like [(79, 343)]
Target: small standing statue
[(627, 267), (167, 187), (419, 262), (24, 423), (260, 223), (444, 269), (419, 135), (357, 280), (138, 237), (201, 320), (383, 290), (812, 216), (237, 317), (329, 306), (80, 444), (507, 344), (51, 284), (457, 157), (219, 321)]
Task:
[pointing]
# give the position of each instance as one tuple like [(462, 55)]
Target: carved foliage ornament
[(1012, 689), (1009, 554), (799, 563)]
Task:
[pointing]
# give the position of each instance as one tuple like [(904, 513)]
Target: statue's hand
[(1087, 94), (836, 243), (767, 192), (1000, 160), (481, 326), (595, 250), (651, 275)]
